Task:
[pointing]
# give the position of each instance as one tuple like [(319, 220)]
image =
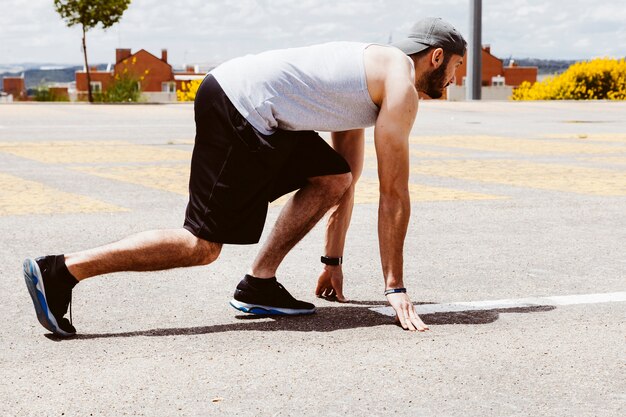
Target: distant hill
[(545, 66), (36, 75), (46, 74)]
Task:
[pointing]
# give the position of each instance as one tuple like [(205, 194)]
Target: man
[(426, 35), (256, 118)]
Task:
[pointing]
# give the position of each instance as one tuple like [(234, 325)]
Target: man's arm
[(393, 126), (349, 144)]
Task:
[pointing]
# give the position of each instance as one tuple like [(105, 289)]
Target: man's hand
[(330, 284), (405, 312)]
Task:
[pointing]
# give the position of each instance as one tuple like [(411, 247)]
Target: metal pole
[(474, 53)]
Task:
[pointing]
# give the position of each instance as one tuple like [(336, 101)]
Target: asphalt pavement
[(515, 257)]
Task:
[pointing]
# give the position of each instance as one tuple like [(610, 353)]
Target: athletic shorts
[(236, 171)]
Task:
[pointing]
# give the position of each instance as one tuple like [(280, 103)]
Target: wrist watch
[(394, 290), (327, 260)]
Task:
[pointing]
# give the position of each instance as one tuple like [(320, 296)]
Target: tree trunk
[(89, 94)]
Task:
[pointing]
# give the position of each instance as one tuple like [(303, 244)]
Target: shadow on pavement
[(327, 319)]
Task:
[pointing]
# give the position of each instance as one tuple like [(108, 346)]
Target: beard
[(435, 82)]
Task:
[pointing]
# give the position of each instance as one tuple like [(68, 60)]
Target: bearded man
[(256, 121)]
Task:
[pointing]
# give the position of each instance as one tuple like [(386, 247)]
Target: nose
[(453, 79)]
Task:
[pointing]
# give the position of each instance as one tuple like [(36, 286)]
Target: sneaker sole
[(269, 311), (34, 283)]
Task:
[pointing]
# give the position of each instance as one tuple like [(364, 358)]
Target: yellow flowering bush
[(126, 87), (188, 90), (599, 79)]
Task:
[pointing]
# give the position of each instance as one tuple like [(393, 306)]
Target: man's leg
[(297, 218), (147, 251), (260, 292), (51, 279)]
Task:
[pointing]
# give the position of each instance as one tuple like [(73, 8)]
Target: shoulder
[(388, 69), (387, 59)]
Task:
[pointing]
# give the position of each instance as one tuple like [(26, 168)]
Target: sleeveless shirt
[(320, 87)]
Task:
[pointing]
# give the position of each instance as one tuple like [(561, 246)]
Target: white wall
[(158, 97), (457, 93)]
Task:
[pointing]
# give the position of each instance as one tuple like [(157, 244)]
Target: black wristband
[(394, 290), (326, 260)]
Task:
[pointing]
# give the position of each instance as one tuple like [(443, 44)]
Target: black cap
[(432, 31)]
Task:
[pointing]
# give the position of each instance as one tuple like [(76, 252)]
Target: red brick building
[(155, 76), (15, 86), (493, 69)]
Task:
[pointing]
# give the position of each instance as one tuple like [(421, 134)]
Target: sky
[(211, 31)]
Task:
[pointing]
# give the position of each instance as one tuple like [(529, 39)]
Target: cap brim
[(409, 46)]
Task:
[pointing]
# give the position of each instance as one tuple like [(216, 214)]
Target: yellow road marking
[(19, 196), (513, 145), (617, 160), (370, 152), (181, 142), (600, 137), (533, 175), (367, 193), (172, 178), (75, 152), (175, 179)]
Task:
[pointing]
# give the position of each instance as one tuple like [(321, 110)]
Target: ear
[(436, 58)]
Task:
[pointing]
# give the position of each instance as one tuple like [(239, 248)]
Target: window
[(168, 87), (497, 81), (96, 86)]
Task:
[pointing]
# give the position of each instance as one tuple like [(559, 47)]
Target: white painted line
[(559, 300)]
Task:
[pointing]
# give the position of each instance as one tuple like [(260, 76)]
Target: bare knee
[(340, 184), (334, 185), (205, 252)]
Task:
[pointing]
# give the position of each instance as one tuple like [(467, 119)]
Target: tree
[(88, 14)]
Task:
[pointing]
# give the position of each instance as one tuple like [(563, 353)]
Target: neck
[(422, 68)]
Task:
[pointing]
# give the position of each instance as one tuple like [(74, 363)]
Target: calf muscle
[(147, 251)]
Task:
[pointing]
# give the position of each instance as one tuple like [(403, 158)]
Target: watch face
[(331, 261)]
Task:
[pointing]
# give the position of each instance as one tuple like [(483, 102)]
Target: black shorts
[(236, 171)]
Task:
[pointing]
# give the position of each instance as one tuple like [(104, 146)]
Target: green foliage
[(124, 89), (43, 93), (90, 13), (599, 79)]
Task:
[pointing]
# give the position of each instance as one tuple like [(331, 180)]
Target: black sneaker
[(51, 295), (267, 297)]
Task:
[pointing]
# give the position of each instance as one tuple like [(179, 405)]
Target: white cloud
[(211, 31)]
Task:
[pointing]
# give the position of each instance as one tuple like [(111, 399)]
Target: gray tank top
[(320, 87)]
